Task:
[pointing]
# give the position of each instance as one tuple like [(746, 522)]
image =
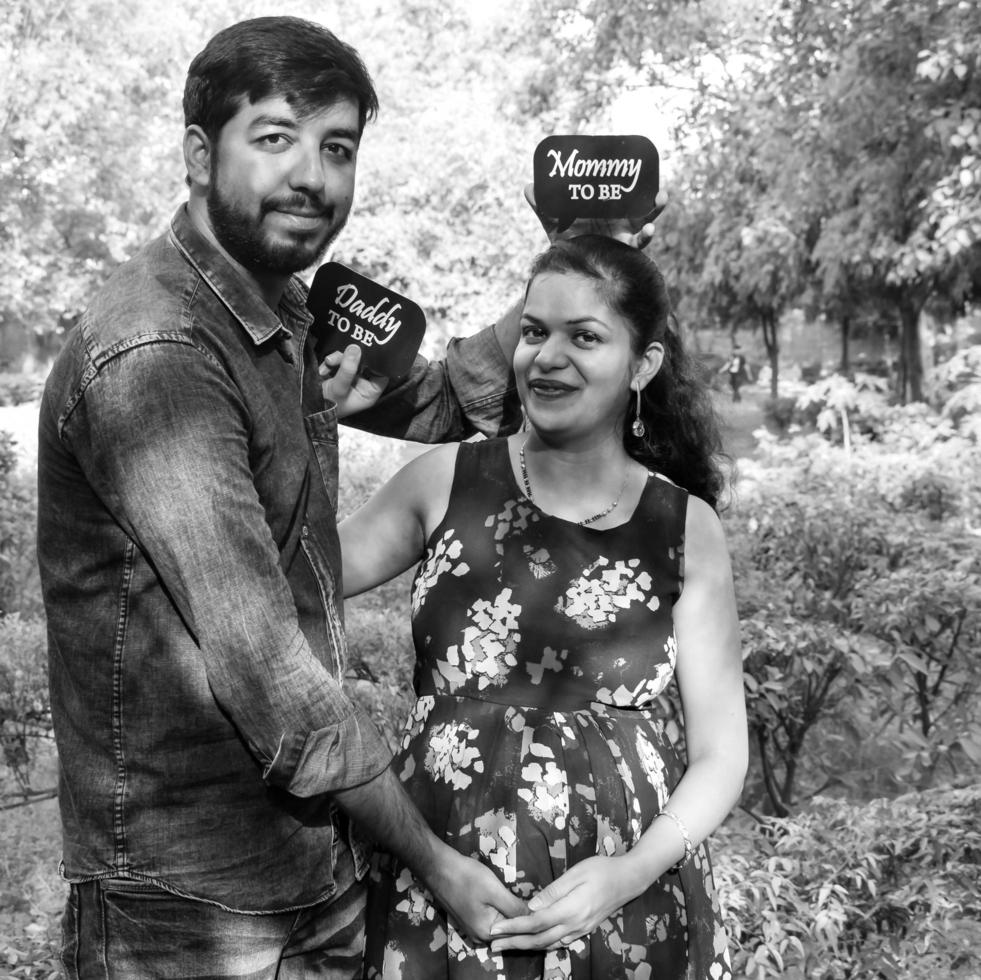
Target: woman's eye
[(531, 332)]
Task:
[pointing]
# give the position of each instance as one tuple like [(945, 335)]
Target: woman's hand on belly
[(571, 906)]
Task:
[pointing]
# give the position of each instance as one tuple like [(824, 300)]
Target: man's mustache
[(304, 204)]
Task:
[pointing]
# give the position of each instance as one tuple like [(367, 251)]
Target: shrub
[(20, 589), (366, 462), (779, 412), (860, 598), (882, 891), (16, 389), (954, 387), (837, 406), (25, 715), (381, 655)]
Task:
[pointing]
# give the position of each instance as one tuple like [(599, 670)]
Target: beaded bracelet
[(685, 836)]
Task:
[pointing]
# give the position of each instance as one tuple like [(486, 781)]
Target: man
[(735, 367), (190, 563)]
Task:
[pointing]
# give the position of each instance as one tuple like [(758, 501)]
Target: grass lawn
[(741, 419)]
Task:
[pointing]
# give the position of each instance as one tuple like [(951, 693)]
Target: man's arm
[(163, 436), (469, 890), (471, 390)]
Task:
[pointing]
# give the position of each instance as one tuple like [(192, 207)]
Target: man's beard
[(242, 235)]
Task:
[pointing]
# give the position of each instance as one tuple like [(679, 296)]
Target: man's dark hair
[(266, 57)]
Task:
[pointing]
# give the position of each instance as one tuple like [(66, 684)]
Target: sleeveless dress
[(535, 740)]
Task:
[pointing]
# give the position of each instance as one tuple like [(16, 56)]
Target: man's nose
[(307, 172)]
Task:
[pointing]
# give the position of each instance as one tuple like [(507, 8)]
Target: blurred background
[(822, 165)]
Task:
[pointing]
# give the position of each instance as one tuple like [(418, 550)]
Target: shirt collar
[(240, 297)]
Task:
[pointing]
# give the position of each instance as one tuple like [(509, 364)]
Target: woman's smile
[(550, 389)]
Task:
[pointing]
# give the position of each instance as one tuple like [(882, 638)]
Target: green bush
[(839, 407), (20, 589), (954, 388), (366, 462), (859, 585), (17, 389), (779, 412), (25, 715), (381, 655), (883, 891), (32, 895)]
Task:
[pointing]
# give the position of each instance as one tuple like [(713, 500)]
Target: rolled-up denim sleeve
[(162, 434), (471, 390)]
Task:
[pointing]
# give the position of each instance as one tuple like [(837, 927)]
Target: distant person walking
[(735, 367)]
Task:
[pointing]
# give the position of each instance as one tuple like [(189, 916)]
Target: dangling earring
[(638, 428)]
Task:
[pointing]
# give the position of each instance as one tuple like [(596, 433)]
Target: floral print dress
[(535, 740)]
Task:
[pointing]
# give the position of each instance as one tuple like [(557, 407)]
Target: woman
[(567, 573)]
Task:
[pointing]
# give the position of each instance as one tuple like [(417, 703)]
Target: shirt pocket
[(322, 432)]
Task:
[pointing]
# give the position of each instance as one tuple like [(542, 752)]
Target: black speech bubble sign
[(349, 308), (595, 177)]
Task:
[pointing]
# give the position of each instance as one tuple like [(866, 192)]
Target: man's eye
[(339, 150), (273, 139)]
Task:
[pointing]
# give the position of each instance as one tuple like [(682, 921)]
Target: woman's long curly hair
[(683, 440)]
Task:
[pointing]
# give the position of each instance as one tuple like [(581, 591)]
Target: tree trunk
[(768, 321), (780, 808), (910, 361), (846, 330)]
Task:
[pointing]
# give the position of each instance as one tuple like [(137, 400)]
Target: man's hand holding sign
[(368, 333), (605, 185)]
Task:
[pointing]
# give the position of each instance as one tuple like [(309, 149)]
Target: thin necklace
[(588, 520)]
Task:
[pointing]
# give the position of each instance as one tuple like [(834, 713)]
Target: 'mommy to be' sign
[(595, 177), (348, 309)]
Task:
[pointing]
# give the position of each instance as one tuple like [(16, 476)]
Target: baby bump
[(531, 791)]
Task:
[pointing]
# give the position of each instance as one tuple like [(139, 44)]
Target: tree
[(859, 123), (440, 212), (90, 168), (880, 156), (89, 148)]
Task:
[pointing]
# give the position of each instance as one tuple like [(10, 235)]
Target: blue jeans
[(120, 929)]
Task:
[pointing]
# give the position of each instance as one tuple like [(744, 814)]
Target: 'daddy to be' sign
[(348, 309), (595, 177)]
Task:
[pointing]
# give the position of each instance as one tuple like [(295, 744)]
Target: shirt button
[(304, 532)]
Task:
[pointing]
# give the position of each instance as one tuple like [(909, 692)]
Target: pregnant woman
[(567, 574)]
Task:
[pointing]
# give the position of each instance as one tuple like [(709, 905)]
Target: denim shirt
[(192, 579)]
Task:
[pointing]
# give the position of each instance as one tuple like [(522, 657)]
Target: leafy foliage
[(32, 895), (90, 126), (860, 597), (954, 388), (25, 716), (19, 583), (843, 569), (17, 388), (883, 890), (828, 152)]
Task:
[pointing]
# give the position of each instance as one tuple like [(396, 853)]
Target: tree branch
[(35, 796)]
